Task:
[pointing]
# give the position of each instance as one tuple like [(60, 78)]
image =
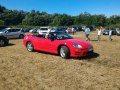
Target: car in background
[(77, 29), (106, 31), (3, 41), (25, 30), (12, 33), (60, 30), (58, 43), (118, 32), (44, 30), (92, 28), (33, 30)]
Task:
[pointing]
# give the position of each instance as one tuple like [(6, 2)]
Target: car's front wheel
[(30, 47), (2, 43), (64, 52)]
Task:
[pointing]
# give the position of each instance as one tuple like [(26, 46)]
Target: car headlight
[(77, 45)]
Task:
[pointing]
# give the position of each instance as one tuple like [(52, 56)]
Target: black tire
[(2, 42), (21, 36), (118, 34), (6, 42), (64, 52), (30, 47)]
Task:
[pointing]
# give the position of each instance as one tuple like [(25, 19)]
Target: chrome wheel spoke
[(29, 47), (62, 52)]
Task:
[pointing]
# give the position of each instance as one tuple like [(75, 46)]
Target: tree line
[(37, 18)]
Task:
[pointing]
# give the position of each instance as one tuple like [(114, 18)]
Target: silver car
[(12, 33)]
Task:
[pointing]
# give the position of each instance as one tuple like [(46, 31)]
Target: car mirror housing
[(6, 31), (51, 38)]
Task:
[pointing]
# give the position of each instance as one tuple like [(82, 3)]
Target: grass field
[(23, 70)]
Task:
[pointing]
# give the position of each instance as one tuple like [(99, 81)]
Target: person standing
[(110, 34), (48, 32), (99, 32), (87, 33), (73, 30)]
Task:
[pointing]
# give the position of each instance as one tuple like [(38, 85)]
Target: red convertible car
[(58, 43)]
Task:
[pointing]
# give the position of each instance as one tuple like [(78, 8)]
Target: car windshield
[(43, 28), (106, 30), (61, 35)]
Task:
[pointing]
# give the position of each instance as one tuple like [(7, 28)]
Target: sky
[(70, 7)]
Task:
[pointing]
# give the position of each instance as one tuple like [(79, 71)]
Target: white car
[(44, 30), (12, 33)]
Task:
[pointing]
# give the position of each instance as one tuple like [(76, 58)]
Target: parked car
[(58, 43), (44, 30), (92, 28), (118, 32), (12, 33), (25, 30), (60, 30), (3, 41), (33, 30), (106, 31), (79, 28)]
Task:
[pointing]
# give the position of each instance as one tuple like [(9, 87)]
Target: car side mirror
[(6, 31), (51, 38)]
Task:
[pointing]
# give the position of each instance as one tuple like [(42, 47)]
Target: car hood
[(1, 32), (83, 43)]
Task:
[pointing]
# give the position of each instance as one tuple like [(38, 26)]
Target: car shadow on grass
[(47, 53), (10, 44), (89, 57), (98, 40)]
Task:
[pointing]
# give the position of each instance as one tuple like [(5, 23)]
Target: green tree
[(12, 17), (1, 22), (63, 20)]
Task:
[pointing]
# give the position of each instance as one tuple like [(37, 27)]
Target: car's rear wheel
[(64, 52), (2, 43), (21, 36), (30, 47), (6, 42)]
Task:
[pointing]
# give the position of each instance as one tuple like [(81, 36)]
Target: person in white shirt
[(48, 32), (110, 35), (73, 30), (99, 32)]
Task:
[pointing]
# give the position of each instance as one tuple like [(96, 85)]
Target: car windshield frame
[(60, 36), (44, 29)]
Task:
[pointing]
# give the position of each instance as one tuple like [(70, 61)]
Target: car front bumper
[(81, 52)]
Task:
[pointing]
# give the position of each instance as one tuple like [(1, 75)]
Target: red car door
[(44, 44), (49, 45), (38, 43)]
